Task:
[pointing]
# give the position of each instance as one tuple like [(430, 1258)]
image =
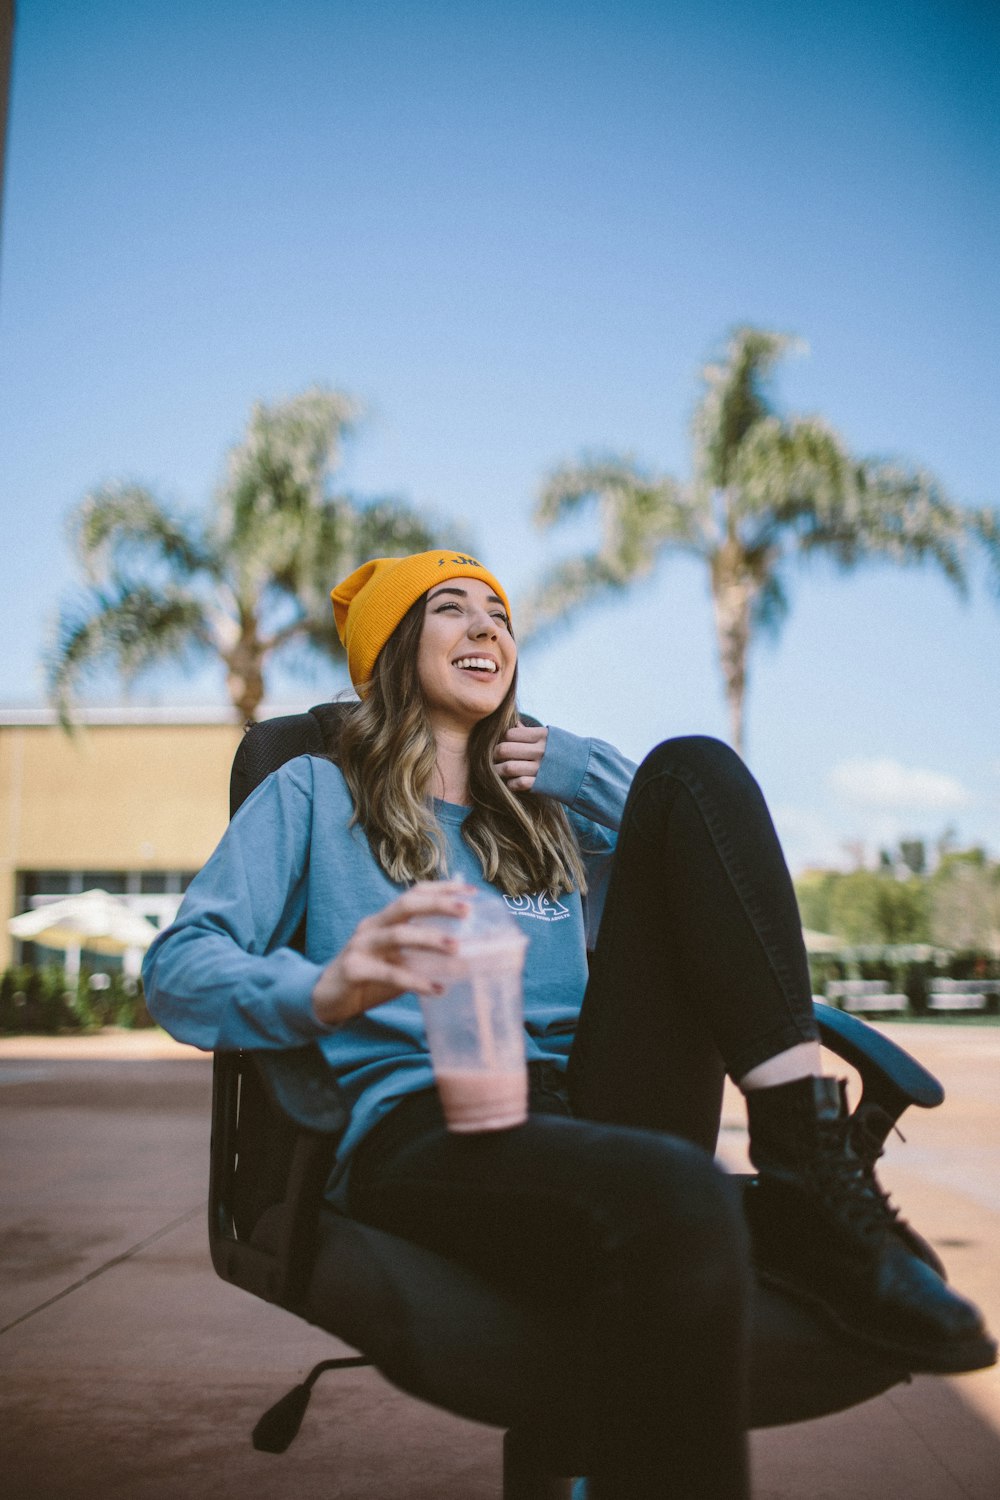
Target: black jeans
[(607, 1203)]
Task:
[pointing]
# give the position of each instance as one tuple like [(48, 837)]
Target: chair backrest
[(260, 1154), (268, 745)]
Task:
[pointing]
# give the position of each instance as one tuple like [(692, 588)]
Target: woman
[(606, 1200)]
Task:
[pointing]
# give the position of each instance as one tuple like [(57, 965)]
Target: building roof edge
[(38, 716)]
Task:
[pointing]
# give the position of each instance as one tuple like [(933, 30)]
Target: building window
[(115, 882), (32, 883)]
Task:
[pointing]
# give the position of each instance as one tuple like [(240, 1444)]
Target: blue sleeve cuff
[(588, 776), (563, 767)]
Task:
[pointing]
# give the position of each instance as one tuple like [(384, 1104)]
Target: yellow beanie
[(371, 601)]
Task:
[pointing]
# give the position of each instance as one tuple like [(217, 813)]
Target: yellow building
[(133, 803)]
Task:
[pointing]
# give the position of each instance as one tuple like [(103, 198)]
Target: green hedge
[(41, 1000)]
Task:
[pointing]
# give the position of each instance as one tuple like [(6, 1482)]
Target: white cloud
[(885, 783)]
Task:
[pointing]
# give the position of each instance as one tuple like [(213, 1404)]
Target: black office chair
[(276, 1119)]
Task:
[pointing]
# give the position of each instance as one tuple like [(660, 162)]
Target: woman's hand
[(519, 754), (371, 968)]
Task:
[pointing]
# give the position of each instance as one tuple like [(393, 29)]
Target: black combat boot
[(821, 1229)]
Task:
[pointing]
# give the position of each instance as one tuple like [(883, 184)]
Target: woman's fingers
[(410, 935), (519, 755), (398, 926), (394, 978), (525, 741), (371, 968), (510, 769), (436, 898)]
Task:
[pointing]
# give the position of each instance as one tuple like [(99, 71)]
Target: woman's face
[(466, 657)]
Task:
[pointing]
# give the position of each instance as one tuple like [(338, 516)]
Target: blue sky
[(517, 231)]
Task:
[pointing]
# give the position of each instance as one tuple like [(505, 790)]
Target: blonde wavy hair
[(386, 752)]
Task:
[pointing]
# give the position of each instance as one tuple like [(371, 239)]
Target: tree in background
[(865, 906), (954, 906), (913, 855), (765, 489), (988, 533), (244, 581), (965, 902)]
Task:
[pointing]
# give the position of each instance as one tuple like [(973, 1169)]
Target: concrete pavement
[(130, 1372)]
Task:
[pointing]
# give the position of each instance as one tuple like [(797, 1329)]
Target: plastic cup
[(475, 1029)]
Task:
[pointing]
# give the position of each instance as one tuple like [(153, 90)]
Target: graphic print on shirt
[(543, 908)]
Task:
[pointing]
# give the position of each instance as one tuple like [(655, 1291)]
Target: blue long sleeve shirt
[(224, 975)]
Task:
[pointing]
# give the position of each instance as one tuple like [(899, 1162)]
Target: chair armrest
[(283, 1112), (890, 1077)]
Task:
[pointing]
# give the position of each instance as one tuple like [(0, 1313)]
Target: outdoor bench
[(962, 994), (865, 995)]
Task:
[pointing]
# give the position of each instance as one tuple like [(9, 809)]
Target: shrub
[(42, 1000)]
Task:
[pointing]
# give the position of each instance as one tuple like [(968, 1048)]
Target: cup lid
[(489, 920)]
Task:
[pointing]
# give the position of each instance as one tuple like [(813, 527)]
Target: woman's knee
[(704, 771), (699, 754)]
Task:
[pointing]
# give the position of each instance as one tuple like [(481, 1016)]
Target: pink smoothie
[(475, 1099)]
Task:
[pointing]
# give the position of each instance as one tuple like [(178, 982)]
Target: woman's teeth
[(476, 664)]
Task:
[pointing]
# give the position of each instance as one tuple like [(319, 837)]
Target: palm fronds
[(986, 532), (130, 629), (121, 526), (764, 490), (243, 581), (735, 398), (637, 514), (897, 512)]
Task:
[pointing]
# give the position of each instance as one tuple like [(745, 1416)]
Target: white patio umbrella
[(822, 942), (94, 920)]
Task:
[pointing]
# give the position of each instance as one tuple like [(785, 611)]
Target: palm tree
[(764, 490), (987, 530), (242, 581)]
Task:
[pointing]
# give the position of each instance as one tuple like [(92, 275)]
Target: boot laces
[(868, 1148), (849, 1182)]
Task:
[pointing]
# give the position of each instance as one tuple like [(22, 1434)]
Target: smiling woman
[(466, 659), (438, 718), (603, 1207)]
